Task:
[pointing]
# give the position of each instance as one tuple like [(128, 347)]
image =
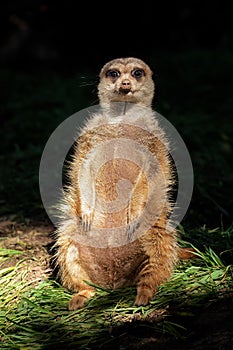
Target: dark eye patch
[(113, 73), (137, 73)]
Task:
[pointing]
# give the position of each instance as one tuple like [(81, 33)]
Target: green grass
[(37, 317)]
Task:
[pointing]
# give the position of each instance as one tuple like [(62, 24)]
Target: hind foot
[(78, 300), (144, 296)]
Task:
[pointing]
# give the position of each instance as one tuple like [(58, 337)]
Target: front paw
[(87, 218), (131, 228)]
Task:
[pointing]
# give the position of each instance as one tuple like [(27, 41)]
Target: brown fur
[(147, 261)]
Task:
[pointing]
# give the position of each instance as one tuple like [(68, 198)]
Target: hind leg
[(161, 252), (73, 275)]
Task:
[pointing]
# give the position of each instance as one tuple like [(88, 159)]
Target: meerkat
[(145, 260)]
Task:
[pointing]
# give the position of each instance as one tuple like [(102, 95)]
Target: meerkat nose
[(125, 84)]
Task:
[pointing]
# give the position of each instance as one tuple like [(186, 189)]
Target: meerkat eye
[(137, 73), (113, 73)]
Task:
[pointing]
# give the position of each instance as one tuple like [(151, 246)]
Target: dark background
[(50, 56), (86, 35)]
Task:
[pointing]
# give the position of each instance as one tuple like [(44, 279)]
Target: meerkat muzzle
[(124, 91)]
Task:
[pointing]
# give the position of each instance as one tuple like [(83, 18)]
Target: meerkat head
[(126, 80)]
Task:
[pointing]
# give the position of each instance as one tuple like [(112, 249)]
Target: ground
[(33, 240)]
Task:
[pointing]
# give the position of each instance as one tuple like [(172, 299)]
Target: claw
[(87, 219)]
